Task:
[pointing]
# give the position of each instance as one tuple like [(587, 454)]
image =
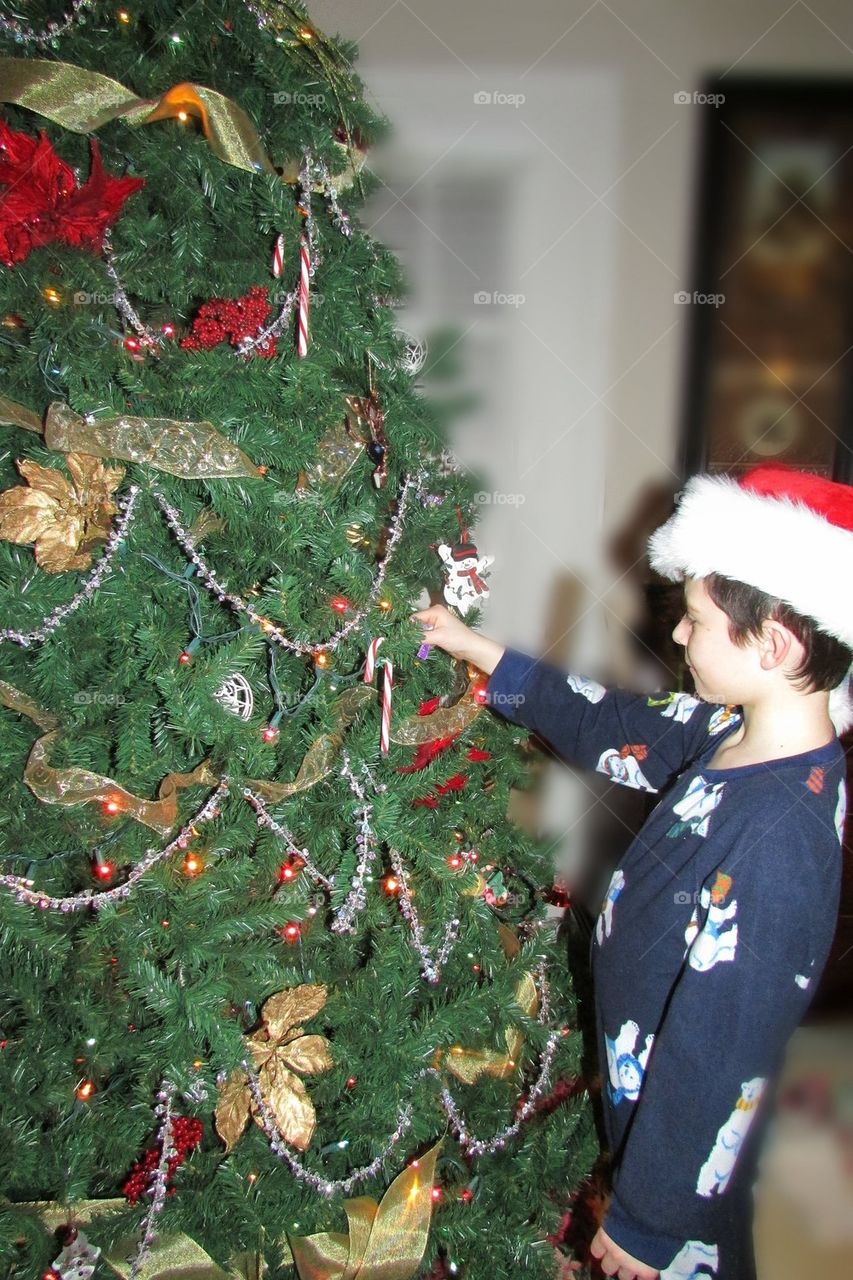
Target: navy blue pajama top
[(712, 936)]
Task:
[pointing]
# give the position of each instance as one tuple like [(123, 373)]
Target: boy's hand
[(616, 1262), (443, 628)]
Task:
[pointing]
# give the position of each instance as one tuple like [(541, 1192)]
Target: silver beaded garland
[(159, 1179), (265, 819), (25, 35), (432, 962), (344, 919), (220, 589)]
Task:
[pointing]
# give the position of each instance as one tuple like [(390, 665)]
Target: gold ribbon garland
[(21, 702), (75, 786), (83, 101), (386, 1241), (468, 1065), (189, 450)]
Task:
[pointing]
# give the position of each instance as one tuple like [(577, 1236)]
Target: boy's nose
[(678, 633)]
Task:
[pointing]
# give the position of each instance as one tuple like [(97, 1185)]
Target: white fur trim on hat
[(780, 546)]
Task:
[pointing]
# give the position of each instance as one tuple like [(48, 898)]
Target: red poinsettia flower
[(42, 203)]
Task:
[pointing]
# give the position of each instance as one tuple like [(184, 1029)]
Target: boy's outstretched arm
[(637, 741)]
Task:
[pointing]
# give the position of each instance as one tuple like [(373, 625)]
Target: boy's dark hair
[(826, 661)]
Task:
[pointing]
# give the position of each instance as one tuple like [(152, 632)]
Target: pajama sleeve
[(637, 741), (755, 946)]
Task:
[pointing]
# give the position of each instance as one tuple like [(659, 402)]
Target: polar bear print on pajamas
[(624, 767), (717, 1170), (841, 811), (696, 807), (591, 689), (625, 1068), (723, 718), (687, 1262), (717, 939), (604, 924)]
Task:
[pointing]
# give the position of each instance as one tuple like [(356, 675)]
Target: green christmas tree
[(272, 953)]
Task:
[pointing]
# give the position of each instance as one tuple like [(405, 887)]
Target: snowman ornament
[(466, 571)]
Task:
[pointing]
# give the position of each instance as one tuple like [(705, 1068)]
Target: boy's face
[(722, 671)]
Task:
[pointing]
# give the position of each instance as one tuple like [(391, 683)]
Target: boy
[(720, 916)]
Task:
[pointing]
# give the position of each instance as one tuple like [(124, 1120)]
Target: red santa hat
[(788, 533)]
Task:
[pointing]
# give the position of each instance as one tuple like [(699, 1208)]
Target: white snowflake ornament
[(235, 695)]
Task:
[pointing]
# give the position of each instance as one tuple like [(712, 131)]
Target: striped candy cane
[(370, 661), (304, 289), (278, 257), (387, 686)]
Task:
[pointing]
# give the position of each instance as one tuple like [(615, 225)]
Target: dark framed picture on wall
[(770, 360)]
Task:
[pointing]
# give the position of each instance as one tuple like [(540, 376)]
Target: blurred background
[(636, 218)]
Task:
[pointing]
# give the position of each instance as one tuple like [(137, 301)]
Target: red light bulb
[(131, 343), (168, 329), (454, 861), (184, 657), (290, 932), (391, 885), (270, 733), (340, 604), (436, 1194)]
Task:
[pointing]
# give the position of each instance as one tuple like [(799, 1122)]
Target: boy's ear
[(776, 644)]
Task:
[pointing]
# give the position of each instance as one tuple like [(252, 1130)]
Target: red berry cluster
[(232, 319), (186, 1134)]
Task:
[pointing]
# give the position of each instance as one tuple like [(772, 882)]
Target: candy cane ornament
[(304, 291), (278, 257), (370, 660), (387, 687)]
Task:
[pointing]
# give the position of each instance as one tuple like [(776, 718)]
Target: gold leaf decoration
[(279, 1050), (232, 1110), (64, 520)]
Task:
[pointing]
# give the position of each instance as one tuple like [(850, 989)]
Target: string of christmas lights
[(24, 892), (270, 630), (265, 819), (432, 962), (96, 577)]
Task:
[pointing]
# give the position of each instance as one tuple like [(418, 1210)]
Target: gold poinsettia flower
[(64, 520), (280, 1050)]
